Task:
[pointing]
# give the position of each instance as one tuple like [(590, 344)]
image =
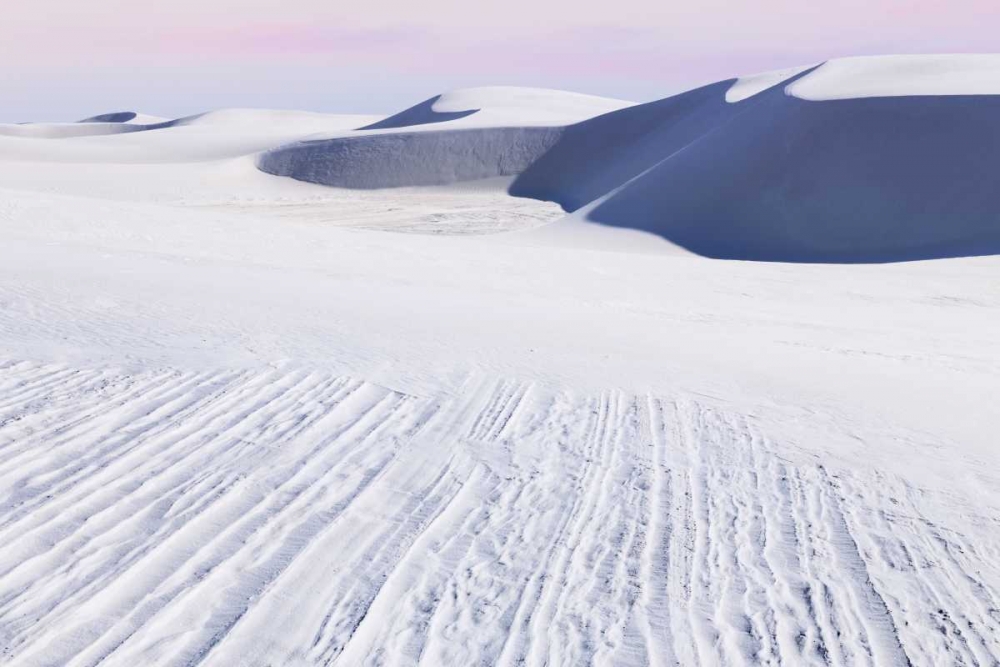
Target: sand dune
[(898, 76), (856, 160), (862, 160), (214, 135), (500, 106), (774, 177), (461, 136), (67, 130)]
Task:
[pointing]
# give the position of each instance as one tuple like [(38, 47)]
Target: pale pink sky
[(60, 59)]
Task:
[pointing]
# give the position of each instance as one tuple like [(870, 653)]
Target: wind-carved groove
[(299, 517)]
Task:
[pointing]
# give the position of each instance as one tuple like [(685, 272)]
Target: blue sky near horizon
[(62, 60)]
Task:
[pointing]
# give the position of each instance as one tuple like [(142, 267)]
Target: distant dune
[(502, 106)]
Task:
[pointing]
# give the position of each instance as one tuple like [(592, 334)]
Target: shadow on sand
[(777, 178)]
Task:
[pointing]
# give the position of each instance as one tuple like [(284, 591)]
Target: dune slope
[(779, 178)]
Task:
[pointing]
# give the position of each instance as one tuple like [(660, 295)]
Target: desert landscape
[(513, 376)]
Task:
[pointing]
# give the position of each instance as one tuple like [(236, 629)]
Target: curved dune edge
[(901, 76), (113, 117), (501, 106), (407, 159)]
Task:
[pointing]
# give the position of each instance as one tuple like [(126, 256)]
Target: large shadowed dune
[(598, 155), (858, 180), (779, 178)]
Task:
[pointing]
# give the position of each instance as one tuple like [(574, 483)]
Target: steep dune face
[(887, 176), (411, 158), (598, 155), (860, 180)]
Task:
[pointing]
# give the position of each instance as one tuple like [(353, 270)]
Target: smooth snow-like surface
[(747, 86), (895, 76), (531, 105), (216, 135), (226, 437), (502, 106), (242, 423)]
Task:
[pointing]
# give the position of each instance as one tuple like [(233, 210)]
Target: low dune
[(67, 130)]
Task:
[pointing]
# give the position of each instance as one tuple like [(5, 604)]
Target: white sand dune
[(241, 423), (118, 122), (778, 178), (461, 136), (860, 160), (215, 135), (66, 130), (502, 106), (896, 76)]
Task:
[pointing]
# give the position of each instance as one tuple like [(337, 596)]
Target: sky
[(66, 59)]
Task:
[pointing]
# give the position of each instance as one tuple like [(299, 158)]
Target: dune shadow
[(777, 178), (114, 117), (420, 114)]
